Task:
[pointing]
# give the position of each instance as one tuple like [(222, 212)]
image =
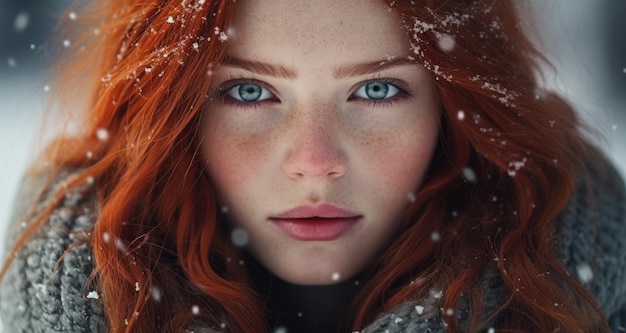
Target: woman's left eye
[(249, 93), (376, 90)]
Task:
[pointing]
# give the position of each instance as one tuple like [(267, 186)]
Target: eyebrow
[(370, 67), (339, 73), (261, 68)]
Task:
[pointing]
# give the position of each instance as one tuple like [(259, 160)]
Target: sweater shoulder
[(591, 234), (46, 285)]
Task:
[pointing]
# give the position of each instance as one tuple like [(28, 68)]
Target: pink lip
[(316, 223)]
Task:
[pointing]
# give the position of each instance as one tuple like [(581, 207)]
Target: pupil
[(376, 90), (249, 92)]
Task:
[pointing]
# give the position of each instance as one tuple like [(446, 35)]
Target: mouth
[(316, 223)]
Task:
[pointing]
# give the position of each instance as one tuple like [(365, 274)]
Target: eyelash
[(230, 84), (402, 92)]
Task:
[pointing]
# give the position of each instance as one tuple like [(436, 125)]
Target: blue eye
[(376, 90), (249, 93)]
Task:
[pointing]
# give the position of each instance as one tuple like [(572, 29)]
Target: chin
[(307, 276)]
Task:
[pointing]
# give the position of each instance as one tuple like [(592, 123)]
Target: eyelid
[(399, 84), (226, 86)]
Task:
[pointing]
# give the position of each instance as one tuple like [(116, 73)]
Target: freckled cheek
[(400, 160), (234, 161)]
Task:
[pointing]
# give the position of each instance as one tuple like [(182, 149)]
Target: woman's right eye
[(249, 93)]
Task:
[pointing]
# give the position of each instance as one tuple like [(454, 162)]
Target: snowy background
[(585, 40)]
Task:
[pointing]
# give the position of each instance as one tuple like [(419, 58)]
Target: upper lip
[(320, 211)]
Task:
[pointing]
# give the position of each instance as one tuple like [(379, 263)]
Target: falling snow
[(585, 273), (280, 329), (446, 43), (460, 115), (21, 21), (156, 294), (469, 174), (239, 237), (102, 134), (195, 310), (120, 245), (336, 276), (419, 309)]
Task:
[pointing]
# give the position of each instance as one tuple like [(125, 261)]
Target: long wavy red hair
[(493, 191)]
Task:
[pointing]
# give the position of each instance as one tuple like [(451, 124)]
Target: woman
[(320, 166)]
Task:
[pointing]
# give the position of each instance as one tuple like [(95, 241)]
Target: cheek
[(233, 161), (399, 159)]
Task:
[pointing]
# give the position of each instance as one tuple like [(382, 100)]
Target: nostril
[(314, 164)]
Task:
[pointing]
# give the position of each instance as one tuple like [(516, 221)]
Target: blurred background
[(585, 40)]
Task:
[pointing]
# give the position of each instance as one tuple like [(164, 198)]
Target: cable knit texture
[(34, 297)]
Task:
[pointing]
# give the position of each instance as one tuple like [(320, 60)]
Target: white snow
[(280, 329), (21, 21), (469, 174), (239, 237), (93, 295), (446, 43), (460, 115), (156, 294), (102, 134), (585, 273)]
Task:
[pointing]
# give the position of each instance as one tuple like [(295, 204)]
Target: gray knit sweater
[(32, 299)]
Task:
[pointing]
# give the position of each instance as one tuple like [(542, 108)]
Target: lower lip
[(316, 229)]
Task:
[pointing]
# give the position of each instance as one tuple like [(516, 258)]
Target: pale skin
[(331, 112)]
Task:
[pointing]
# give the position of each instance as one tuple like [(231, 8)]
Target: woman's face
[(318, 134)]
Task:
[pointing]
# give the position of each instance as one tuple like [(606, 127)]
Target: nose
[(314, 152)]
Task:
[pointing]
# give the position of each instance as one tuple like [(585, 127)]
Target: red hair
[(150, 64)]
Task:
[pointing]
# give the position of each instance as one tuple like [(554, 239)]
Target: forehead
[(311, 27)]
